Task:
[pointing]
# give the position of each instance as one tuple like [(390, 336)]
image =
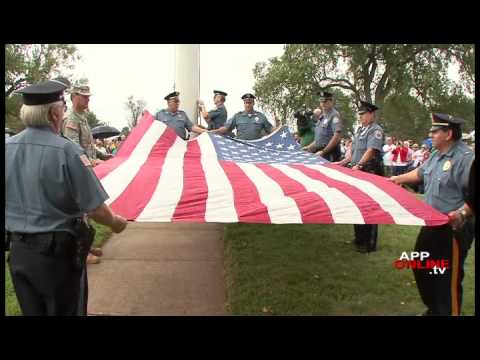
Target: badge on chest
[(447, 165)]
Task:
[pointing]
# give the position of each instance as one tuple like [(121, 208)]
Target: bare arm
[(332, 144), (197, 129), (346, 160), (204, 113), (369, 154), (411, 177), (222, 130), (104, 215), (311, 147)]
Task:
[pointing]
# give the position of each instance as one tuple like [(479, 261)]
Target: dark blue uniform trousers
[(442, 293)]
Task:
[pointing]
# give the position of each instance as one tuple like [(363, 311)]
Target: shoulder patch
[(71, 125), (336, 120), (85, 160), (378, 134)]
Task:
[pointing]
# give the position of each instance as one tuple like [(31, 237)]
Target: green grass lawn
[(310, 270), (11, 303)]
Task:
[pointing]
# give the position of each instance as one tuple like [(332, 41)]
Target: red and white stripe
[(156, 176)]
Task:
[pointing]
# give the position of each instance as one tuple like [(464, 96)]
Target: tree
[(125, 131), (29, 63), (364, 71), (405, 118), (135, 109), (92, 119)]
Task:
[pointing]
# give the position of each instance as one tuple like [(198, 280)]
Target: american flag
[(159, 177)]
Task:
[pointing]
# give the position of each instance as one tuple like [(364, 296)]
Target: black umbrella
[(102, 132)]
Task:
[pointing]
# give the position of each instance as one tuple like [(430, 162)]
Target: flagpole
[(187, 78)]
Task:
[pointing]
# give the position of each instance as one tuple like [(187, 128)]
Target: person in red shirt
[(400, 158)]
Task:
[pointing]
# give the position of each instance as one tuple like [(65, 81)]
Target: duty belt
[(57, 235)]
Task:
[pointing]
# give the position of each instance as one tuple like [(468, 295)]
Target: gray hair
[(37, 115)]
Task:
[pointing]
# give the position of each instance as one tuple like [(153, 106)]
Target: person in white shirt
[(409, 155), (417, 156), (387, 156)]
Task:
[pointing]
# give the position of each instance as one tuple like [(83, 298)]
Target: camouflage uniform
[(76, 128)]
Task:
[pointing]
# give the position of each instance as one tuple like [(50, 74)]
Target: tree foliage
[(29, 63), (374, 72), (125, 131), (92, 119), (134, 108)]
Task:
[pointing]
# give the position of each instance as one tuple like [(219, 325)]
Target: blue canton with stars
[(279, 148)]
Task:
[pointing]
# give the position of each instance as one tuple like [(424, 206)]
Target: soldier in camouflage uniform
[(76, 128)]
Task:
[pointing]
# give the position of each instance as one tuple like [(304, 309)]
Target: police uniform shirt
[(366, 138), (328, 124), (249, 125), (444, 177), (48, 182), (178, 121), (218, 117)]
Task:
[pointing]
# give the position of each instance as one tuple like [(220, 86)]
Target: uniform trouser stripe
[(454, 277)]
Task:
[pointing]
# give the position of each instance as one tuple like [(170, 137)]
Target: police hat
[(248, 96), (46, 92), (218, 92), (442, 121), (63, 81), (366, 107), (172, 95), (325, 95)]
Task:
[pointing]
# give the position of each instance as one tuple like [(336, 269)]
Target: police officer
[(217, 117), (177, 119), (367, 156), (328, 130), (249, 123), (49, 188), (445, 177)]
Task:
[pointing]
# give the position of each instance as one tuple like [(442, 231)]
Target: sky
[(147, 72)]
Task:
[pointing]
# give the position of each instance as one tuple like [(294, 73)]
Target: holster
[(83, 241)]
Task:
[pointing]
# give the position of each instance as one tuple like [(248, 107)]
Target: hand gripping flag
[(157, 176)]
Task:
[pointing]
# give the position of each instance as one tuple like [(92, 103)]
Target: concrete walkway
[(160, 269)]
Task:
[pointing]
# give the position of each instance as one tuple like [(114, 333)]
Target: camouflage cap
[(81, 90)]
